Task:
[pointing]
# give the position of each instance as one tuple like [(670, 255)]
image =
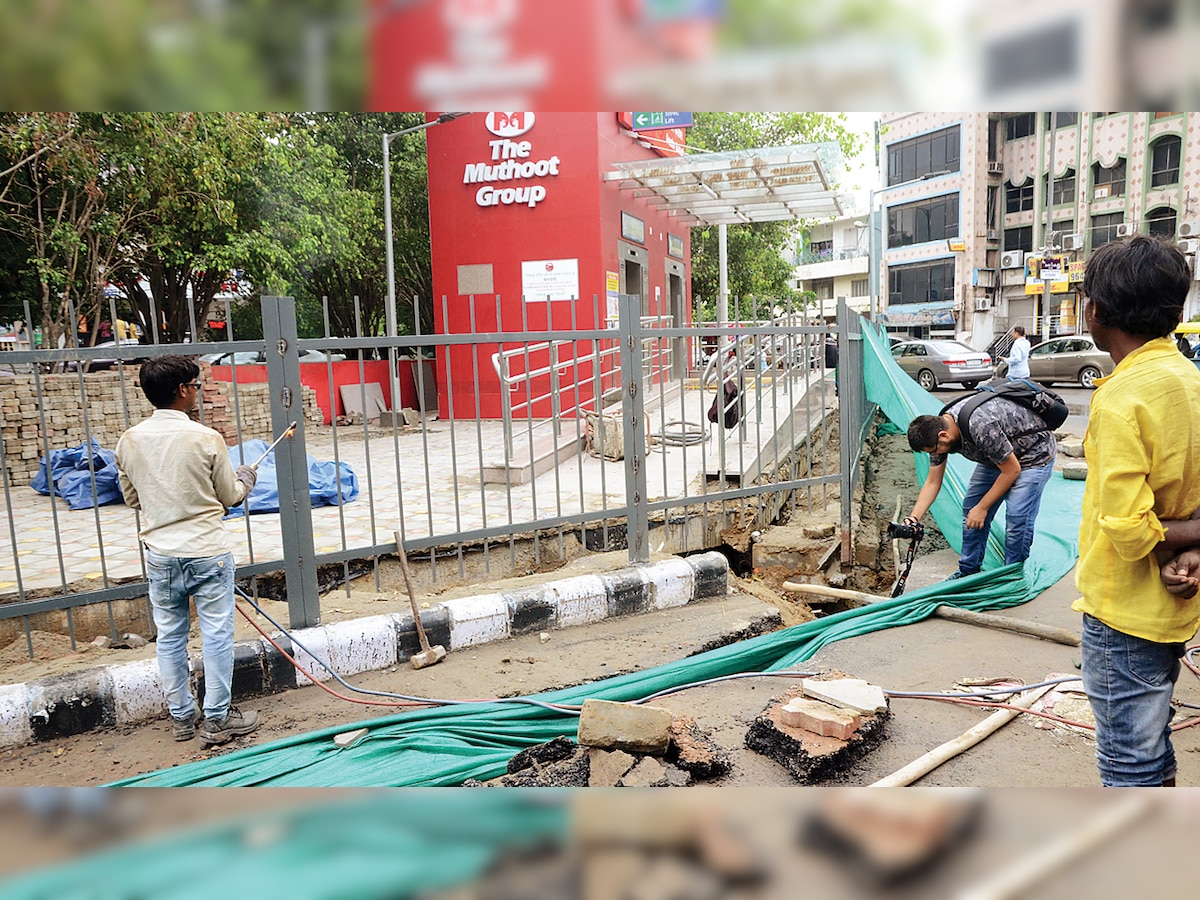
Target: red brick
[(820, 718)]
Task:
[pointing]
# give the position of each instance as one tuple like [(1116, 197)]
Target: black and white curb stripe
[(130, 693)]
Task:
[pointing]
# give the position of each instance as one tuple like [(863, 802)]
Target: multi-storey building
[(832, 261), (969, 212)]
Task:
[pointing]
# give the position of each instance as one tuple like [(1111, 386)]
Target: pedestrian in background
[(1018, 357), (1143, 485), (178, 473)]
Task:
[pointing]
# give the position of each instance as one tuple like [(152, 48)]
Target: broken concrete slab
[(607, 766), (648, 772), (624, 726), (1071, 447), (542, 754), (810, 757), (694, 751), (847, 693), (1076, 471)]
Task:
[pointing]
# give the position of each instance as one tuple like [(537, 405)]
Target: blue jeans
[(1129, 682), (209, 579), (1021, 504)]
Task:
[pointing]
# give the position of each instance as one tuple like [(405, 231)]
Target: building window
[(1064, 187), (1108, 182), (921, 283), (924, 155), (1019, 238), (1065, 119), (1060, 230), (1161, 222), (1164, 165), (859, 287), (823, 288), (1019, 126), (925, 220), (1017, 199), (1104, 228)]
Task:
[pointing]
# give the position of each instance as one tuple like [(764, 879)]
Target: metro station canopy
[(765, 185)]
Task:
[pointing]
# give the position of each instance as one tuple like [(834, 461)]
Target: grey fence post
[(633, 412), (291, 463)]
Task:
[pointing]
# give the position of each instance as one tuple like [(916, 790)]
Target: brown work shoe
[(235, 724), (185, 729)]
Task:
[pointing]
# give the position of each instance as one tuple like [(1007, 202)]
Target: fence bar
[(291, 464)]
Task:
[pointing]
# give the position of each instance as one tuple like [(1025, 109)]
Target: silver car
[(936, 362), (1076, 359)]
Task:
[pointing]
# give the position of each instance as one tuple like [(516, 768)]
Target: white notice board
[(553, 279)]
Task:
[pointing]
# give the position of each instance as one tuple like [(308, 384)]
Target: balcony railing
[(809, 257)]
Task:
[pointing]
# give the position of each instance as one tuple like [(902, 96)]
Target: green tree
[(758, 272)]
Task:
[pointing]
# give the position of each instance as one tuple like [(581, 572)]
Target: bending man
[(1014, 451)]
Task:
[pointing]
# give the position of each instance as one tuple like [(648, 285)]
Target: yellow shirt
[(1143, 456), (178, 473)]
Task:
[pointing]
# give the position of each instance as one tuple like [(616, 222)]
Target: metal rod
[(287, 432)]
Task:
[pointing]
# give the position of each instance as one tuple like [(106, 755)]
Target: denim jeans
[(1021, 504), (1129, 682), (209, 580)]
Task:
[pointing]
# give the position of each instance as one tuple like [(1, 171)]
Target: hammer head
[(432, 656)]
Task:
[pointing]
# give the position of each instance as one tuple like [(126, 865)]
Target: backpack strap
[(980, 397)]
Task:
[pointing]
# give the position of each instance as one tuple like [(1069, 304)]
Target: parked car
[(102, 363), (1075, 359), (936, 362), (251, 358)]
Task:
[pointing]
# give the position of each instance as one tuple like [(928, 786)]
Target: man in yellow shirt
[(1143, 485)]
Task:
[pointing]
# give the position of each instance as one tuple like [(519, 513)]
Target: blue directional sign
[(647, 121)]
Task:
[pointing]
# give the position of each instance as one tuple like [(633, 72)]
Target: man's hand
[(1181, 574), (977, 516), (248, 476), (911, 520)]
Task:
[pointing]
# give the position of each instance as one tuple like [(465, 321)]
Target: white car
[(252, 358)]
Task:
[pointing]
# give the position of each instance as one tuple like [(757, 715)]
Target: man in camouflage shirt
[(1014, 451)]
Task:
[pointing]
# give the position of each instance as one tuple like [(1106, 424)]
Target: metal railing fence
[(448, 488)]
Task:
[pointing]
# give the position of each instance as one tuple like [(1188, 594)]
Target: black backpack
[(1048, 405)]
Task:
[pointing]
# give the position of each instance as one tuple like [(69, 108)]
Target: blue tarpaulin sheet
[(72, 477), (324, 479)]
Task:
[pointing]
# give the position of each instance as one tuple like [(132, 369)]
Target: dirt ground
[(931, 655)]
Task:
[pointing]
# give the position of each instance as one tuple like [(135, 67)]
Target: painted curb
[(130, 693)]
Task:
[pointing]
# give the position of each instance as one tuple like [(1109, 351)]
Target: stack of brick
[(112, 403)]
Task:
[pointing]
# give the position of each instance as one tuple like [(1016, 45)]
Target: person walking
[(1142, 489), (178, 473), (1018, 357), (1014, 450)]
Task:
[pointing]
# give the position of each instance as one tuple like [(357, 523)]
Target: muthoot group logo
[(509, 124), (510, 161)]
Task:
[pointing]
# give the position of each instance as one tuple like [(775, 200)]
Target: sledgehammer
[(429, 655)]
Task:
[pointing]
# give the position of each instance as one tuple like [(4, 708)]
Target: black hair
[(923, 432), (1138, 286), (161, 376), (1019, 329)]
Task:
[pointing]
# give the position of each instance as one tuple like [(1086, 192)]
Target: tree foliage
[(759, 276), (166, 205)]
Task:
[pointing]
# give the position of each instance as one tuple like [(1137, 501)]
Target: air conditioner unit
[(995, 167), (1189, 245), (1072, 242), (1013, 259), (983, 304), (1189, 229), (993, 234), (1101, 192), (1126, 229)]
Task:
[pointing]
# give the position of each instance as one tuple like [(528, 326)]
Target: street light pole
[(390, 322)]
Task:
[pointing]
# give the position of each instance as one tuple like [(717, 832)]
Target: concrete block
[(348, 739), (672, 583), (1071, 448), (361, 645), (581, 601), (847, 693), (820, 718), (1075, 471), (136, 691), (624, 726), (648, 772), (477, 620)]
